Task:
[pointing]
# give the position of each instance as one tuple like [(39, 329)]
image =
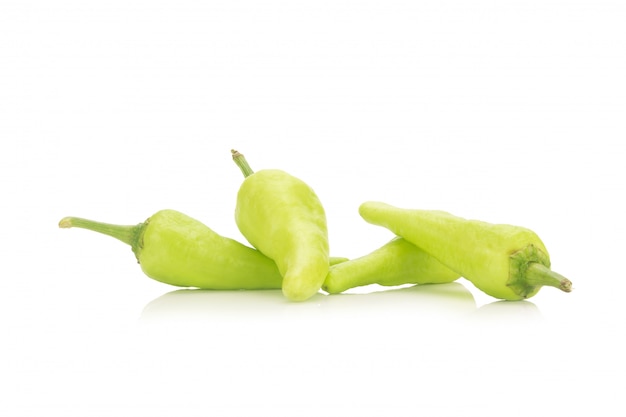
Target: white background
[(504, 111)]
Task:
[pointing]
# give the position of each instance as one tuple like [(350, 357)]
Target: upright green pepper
[(176, 249), (396, 263), (282, 217), (504, 261)]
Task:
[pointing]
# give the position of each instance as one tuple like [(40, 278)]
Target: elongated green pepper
[(397, 262), (176, 249), (282, 217), (504, 261)]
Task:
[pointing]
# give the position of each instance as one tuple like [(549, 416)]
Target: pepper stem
[(538, 274), (241, 162), (127, 234)]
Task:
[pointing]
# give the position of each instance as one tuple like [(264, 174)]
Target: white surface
[(509, 111)]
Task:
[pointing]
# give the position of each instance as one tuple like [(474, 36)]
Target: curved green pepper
[(282, 217), (504, 261), (396, 263), (176, 249)]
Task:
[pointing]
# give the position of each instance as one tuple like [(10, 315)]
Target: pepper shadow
[(197, 304), (440, 300), (508, 312), (187, 305)]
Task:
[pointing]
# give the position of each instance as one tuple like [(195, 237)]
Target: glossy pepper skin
[(507, 262), (397, 262), (176, 249), (281, 216)]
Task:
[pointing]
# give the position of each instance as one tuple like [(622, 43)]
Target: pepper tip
[(65, 223), (566, 285)]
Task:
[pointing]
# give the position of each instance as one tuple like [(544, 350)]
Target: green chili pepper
[(504, 261), (176, 249), (396, 263), (282, 217)]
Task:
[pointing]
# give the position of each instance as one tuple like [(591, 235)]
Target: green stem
[(128, 234), (241, 162), (538, 274)]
